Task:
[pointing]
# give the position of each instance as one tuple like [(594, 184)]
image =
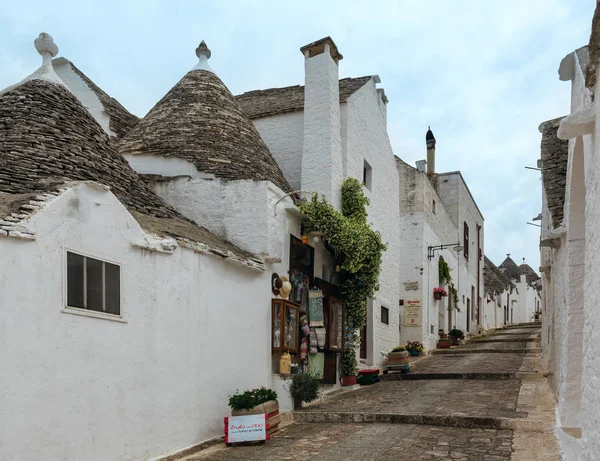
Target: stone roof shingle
[(530, 274), (554, 155), (511, 270), (198, 120), (275, 101), (48, 139), (494, 280), (594, 49)]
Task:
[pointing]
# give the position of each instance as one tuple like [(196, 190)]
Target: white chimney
[(322, 163), (430, 142)]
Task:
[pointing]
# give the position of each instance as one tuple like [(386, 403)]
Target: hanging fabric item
[(316, 364), (304, 350), (320, 334), (313, 341), (315, 308)]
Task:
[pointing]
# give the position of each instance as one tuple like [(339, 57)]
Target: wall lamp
[(432, 249)]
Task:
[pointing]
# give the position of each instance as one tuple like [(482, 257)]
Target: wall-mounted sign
[(411, 286), (413, 314), (249, 428)]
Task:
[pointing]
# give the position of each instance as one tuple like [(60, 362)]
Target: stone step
[(463, 421), (523, 325), (484, 351), (504, 340), (446, 375)]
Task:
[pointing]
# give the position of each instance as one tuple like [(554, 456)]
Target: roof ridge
[(281, 100)]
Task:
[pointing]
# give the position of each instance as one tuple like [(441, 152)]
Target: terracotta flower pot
[(397, 358), (348, 380), (444, 344)]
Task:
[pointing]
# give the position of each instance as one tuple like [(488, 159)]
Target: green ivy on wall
[(359, 246), (454, 293), (444, 271), (445, 277)]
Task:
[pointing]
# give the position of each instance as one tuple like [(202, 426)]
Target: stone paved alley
[(485, 401)]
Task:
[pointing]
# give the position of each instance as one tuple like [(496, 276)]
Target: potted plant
[(257, 401), (414, 348), (456, 335), (439, 292), (348, 367), (304, 388), (537, 316), (398, 356), (444, 342)]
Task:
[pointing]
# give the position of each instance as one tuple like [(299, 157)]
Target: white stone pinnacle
[(203, 53), (46, 47)]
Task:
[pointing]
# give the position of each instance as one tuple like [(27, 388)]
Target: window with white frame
[(367, 175), (93, 284)]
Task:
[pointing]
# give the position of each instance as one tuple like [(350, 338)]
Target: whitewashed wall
[(569, 315), (242, 212), (366, 138), (420, 228), (462, 207), (283, 134), (590, 402), (197, 329)]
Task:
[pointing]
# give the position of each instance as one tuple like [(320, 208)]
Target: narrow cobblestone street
[(484, 401)]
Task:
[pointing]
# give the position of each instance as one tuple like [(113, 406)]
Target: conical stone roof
[(199, 120), (530, 274), (47, 139), (511, 269)]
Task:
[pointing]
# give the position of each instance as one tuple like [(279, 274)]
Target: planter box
[(398, 361), (270, 408), (444, 344), (397, 358), (348, 380)]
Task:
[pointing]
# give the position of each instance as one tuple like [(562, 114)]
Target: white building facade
[(569, 254), (437, 213)]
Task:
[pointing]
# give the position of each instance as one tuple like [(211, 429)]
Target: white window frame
[(86, 312), (367, 175)]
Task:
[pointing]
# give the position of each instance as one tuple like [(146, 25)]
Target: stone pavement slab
[(470, 363), (483, 398), (385, 442)]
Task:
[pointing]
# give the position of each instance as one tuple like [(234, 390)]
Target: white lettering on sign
[(412, 313), (247, 428)]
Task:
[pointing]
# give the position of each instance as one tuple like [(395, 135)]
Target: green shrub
[(249, 399), (305, 386), (399, 349), (456, 333), (348, 364)]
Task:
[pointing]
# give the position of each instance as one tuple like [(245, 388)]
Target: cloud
[(483, 74)]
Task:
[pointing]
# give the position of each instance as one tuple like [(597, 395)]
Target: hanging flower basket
[(439, 292)]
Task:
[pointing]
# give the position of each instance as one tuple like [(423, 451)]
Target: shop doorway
[(468, 315)]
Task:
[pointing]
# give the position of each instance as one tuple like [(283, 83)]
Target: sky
[(482, 73)]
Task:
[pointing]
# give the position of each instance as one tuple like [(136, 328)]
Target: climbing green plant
[(444, 271), (445, 277), (454, 293), (359, 247)]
